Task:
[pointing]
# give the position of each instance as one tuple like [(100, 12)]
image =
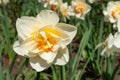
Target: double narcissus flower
[(112, 12), (43, 39), (112, 44), (79, 8), (64, 9)]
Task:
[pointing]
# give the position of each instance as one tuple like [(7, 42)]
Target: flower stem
[(37, 76)]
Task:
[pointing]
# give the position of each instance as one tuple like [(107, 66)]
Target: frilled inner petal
[(46, 38), (116, 12)]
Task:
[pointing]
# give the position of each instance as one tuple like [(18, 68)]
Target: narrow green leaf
[(115, 71), (37, 76), (84, 42), (1, 70), (54, 73), (8, 74), (19, 68)]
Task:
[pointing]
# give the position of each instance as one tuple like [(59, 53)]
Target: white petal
[(110, 41), (25, 48), (118, 25), (60, 2), (48, 56), (26, 26), (87, 8), (105, 12), (38, 63), (111, 3), (117, 40), (78, 15), (103, 52), (99, 45), (62, 57), (48, 17), (67, 29), (112, 20), (20, 50)]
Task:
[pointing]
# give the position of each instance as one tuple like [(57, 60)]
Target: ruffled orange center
[(53, 7), (116, 12), (78, 8), (46, 42)]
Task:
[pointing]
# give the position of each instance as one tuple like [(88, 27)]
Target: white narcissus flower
[(112, 12), (51, 4), (43, 39), (80, 8), (64, 9), (112, 44), (4, 1)]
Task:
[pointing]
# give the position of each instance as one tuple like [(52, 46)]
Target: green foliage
[(85, 62)]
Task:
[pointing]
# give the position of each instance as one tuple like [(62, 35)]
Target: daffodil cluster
[(43, 39), (77, 8), (112, 43)]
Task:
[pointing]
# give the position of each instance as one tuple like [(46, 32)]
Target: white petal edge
[(48, 56), (48, 17), (103, 52), (26, 26), (19, 50), (62, 57), (24, 48), (68, 29), (110, 41), (117, 40), (38, 64), (118, 25)]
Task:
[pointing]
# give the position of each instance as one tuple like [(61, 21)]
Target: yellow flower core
[(115, 12), (78, 8), (47, 44)]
